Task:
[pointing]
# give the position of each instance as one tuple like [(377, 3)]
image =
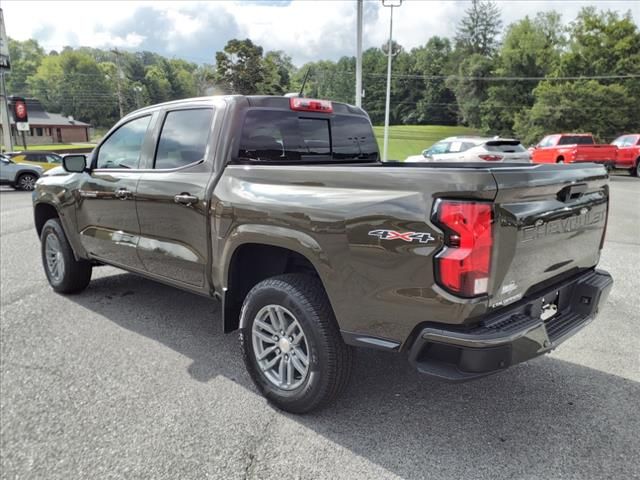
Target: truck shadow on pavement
[(548, 418)]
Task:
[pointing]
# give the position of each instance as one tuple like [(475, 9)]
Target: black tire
[(75, 275), (26, 182), (330, 359), (635, 170), (560, 160)]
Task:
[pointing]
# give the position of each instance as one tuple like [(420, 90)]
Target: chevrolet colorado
[(281, 209)]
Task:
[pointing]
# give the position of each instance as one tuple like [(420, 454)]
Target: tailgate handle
[(572, 192)]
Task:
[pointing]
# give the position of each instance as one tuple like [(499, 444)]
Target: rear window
[(576, 140), (505, 147), (282, 136)]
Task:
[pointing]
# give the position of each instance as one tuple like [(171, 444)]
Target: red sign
[(20, 110)]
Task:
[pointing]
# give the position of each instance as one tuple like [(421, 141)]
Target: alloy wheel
[(280, 347), (55, 260)]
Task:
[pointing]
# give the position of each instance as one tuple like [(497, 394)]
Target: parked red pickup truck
[(573, 147), (628, 155)]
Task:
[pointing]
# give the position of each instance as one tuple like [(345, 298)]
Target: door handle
[(186, 199), (122, 194)]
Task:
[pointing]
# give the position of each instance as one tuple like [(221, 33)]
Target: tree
[(470, 87), (478, 31), (239, 67), (531, 48), (437, 105), (73, 84), (278, 69), (602, 43), (582, 106), (26, 57)]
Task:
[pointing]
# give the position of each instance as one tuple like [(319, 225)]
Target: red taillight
[(310, 105), (491, 158), (463, 267)]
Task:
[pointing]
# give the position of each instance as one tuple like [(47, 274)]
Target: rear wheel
[(560, 160), (27, 182), (291, 343), (64, 272)]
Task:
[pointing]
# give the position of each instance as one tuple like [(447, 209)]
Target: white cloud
[(306, 30)]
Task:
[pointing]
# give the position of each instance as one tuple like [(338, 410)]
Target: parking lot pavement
[(132, 379)]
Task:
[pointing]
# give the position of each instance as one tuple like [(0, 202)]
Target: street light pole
[(359, 54), (385, 149)]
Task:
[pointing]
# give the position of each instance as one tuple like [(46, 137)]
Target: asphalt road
[(131, 379)]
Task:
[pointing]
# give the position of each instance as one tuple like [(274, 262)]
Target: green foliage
[(478, 31), (531, 48), (470, 87), (240, 68), (26, 57), (583, 106), (439, 82), (437, 104), (73, 84)]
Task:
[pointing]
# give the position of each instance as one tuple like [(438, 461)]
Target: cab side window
[(123, 147), (184, 138)]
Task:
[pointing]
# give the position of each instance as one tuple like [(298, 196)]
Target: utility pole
[(392, 4), (4, 114), (359, 54), (120, 76), (5, 66)]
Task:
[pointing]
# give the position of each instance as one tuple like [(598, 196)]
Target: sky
[(307, 30)]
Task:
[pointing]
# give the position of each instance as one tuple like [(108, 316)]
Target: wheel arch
[(254, 255), (44, 210)]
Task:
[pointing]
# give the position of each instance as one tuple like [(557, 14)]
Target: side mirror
[(426, 153), (74, 163)]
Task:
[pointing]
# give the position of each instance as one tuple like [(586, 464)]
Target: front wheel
[(635, 171), (291, 343), (64, 272), (27, 182)]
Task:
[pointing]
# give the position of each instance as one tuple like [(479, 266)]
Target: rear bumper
[(512, 336)]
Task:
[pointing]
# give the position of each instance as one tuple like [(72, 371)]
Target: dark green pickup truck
[(281, 209)]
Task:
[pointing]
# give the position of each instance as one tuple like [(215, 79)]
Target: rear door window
[(184, 138), (575, 140), (282, 136)]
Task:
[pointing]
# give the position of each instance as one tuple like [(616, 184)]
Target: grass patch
[(405, 140), (58, 146)]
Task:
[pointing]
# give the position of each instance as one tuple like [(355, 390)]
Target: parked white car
[(474, 149)]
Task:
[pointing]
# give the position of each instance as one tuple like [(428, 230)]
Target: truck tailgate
[(549, 223)]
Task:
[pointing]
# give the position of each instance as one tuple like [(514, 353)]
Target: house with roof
[(47, 128)]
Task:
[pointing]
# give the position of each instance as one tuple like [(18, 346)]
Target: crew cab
[(573, 147), (628, 154), (281, 209)]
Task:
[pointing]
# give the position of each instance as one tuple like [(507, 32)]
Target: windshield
[(288, 136)]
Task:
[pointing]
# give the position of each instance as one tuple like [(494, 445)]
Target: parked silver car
[(474, 149), (19, 176)]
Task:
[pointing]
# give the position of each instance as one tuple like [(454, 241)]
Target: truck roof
[(273, 101)]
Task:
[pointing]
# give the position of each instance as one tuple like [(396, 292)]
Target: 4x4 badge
[(422, 237)]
